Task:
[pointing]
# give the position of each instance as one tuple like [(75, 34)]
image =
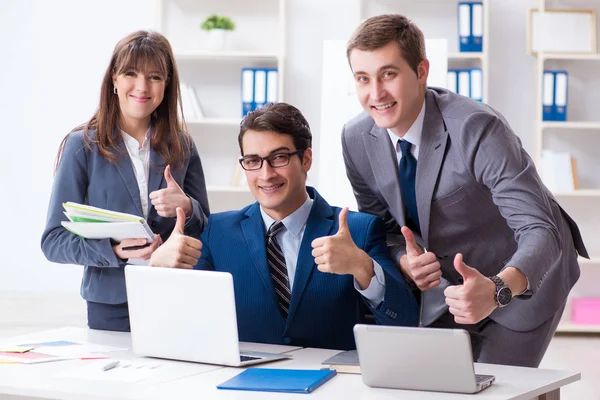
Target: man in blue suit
[(304, 272)]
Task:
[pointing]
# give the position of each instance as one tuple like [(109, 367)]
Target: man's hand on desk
[(179, 251), (474, 299), (420, 267)]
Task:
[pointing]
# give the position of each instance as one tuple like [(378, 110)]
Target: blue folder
[(548, 89), (247, 91), (560, 95), (278, 380)]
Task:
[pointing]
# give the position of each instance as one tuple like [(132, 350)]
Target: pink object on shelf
[(585, 311)]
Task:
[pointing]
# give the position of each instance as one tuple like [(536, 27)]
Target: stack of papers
[(33, 353), (97, 223), (345, 362)]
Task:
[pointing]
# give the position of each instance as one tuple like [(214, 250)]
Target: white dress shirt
[(413, 135), (140, 160), (290, 239)]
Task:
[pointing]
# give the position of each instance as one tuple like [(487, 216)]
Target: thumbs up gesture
[(179, 251), (166, 200), (338, 254), (420, 267), (474, 299)]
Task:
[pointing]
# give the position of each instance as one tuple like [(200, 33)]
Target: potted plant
[(217, 27)]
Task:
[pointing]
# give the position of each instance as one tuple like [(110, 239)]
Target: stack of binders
[(259, 87), (554, 95), (470, 26), (466, 82)]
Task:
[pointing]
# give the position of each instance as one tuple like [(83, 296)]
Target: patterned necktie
[(408, 171), (278, 269)]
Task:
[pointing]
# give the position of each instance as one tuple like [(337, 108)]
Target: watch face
[(504, 296)]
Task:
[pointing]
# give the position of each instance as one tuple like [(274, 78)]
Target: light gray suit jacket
[(478, 193)]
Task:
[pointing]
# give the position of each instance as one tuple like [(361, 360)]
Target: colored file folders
[(554, 95), (466, 82), (259, 87), (470, 26), (97, 223), (278, 380)]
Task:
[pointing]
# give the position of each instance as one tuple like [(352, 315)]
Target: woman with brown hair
[(132, 156)]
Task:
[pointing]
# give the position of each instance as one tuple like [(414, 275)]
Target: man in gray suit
[(482, 238)]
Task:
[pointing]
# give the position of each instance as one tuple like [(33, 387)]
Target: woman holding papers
[(132, 156)]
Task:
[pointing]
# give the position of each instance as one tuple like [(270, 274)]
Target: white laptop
[(418, 358), (186, 315)]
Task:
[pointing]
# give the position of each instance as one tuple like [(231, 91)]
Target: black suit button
[(153, 224)]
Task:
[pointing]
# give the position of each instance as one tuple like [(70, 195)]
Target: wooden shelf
[(571, 125), (215, 121), (571, 56), (228, 189), (579, 193), (591, 261), (466, 56), (225, 55), (568, 327)]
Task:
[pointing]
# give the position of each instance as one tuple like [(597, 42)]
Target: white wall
[(54, 54)]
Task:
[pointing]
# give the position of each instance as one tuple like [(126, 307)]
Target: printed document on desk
[(125, 371), (136, 370), (33, 353)]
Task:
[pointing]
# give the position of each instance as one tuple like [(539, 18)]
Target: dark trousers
[(108, 317)]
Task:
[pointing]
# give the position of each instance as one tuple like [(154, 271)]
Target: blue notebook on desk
[(278, 380)]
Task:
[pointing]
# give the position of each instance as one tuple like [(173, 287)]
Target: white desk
[(199, 381), (44, 381), (511, 383)]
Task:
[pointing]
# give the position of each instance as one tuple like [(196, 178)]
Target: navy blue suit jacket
[(324, 307), (85, 176)]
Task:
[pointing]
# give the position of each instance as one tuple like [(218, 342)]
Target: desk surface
[(183, 380), (511, 383), (45, 380)]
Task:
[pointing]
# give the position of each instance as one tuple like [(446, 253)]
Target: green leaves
[(215, 21)]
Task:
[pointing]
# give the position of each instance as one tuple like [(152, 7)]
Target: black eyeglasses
[(278, 160)]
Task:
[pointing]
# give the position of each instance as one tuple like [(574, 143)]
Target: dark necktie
[(408, 171), (278, 269)]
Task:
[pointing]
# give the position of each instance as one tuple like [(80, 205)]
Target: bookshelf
[(438, 19), (579, 137), (258, 41)]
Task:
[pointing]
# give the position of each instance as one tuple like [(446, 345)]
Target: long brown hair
[(139, 51)]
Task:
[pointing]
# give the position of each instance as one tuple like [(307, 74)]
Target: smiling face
[(280, 191), (388, 88), (140, 93)]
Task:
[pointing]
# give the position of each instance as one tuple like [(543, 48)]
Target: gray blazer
[(85, 176), (478, 193)]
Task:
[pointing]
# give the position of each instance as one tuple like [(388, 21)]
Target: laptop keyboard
[(249, 358), (482, 378)]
